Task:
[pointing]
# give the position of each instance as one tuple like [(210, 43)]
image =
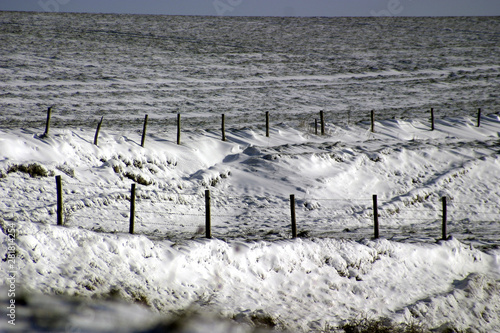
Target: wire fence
[(211, 120), (107, 208), (310, 123)]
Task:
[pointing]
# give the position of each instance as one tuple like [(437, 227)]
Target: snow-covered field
[(124, 66), (91, 275)]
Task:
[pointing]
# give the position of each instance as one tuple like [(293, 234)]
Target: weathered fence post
[(373, 121), (267, 123), (208, 222), (315, 126), (294, 220), (132, 209), (443, 229), (478, 117), (322, 119), (47, 124), (96, 137), (60, 208), (143, 141), (375, 217), (178, 128), (432, 119), (223, 127)]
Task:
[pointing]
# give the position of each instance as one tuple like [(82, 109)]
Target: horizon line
[(263, 16)]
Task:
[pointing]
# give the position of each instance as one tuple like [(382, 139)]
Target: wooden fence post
[(316, 126), (143, 141), (322, 119), (223, 127), (443, 228), (267, 123), (96, 137), (60, 207), (294, 220), (47, 124), (132, 209), (375, 217), (432, 119), (478, 117), (208, 223), (373, 121), (178, 128)]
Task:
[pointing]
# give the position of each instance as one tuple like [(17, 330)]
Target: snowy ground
[(91, 275), (124, 66), (251, 176), (253, 268)]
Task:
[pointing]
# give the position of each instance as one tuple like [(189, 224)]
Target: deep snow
[(253, 268), (91, 275)]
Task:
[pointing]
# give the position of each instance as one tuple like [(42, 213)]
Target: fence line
[(189, 207), (198, 214), (369, 116), (359, 208)]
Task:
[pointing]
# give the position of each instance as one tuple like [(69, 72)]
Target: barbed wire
[(177, 199), (480, 221), (188, 214), (229, 206), (169, 224), (301, 120), (94, 218), (469, 202), (187, 210), (335, 200), (99, 186), (226, 215), (468, 212), (410, 219), (178, 224)]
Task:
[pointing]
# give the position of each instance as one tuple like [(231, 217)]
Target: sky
[(264, 7)]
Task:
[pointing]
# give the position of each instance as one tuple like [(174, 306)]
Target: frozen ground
[(91, 275), (124, 66), (252, 271), (251, 176)]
